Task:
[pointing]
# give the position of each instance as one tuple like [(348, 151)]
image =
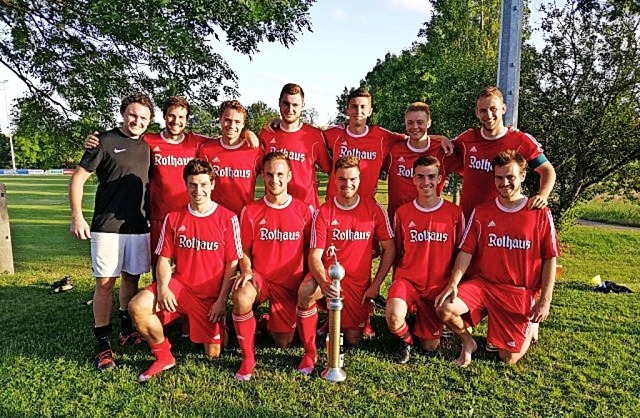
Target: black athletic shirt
[(122, 198)]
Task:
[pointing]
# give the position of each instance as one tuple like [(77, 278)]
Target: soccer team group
[(184, 204)]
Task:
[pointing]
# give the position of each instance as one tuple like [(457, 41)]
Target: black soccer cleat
[(105, 360), (404, 354)]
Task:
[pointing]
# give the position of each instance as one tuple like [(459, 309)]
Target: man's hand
[(447, 145), (449, 293), (91, 141), (250, 138), (166, 300), (242, 280), (540, 311), (371, 293), (218, 310), (271, 125), (328, 291), (538, 202), (80, 228)]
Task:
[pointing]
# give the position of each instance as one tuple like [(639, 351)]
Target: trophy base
[(333, 374)]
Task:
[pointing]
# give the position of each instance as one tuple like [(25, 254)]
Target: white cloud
[(340, 14), (420, 6)]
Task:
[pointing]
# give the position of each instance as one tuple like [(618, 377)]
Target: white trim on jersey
[(427, 210), (386, 220), (552, 226), (339, 206), (236, 236), (278, 207), (312, 239), (161, 237), (467, 228)]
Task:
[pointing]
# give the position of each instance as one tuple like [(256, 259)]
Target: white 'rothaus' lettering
[(196, 244), (171, 160), (477, 164), (506, 241), (361, 155), (425, 235), (278, 235), (350, 235), (232, 173), (292, 155), (405, 171)]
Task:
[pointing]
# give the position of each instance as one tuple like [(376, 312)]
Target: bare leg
[(513, 358), (103, 300), (450, 313), (142, 311), (128, 288)]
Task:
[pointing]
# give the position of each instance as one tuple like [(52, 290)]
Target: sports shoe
[(446, 332), (261, 326), (104, 360), (490, 348), (133, 338), (307, 365), (404, 354), (380, 302), (368, 331), (324, 329), (243, 377), (157, 367)]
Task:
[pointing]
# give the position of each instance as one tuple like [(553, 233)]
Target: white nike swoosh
[(119, 150)]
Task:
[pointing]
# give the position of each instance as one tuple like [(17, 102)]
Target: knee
[(243, 298), (212, 351), (306, 292), (444, 312), (509, 358), (394, 319), (430, 345), (140, 304), (105, 287)]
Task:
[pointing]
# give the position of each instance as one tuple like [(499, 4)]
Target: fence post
[(6, 254)]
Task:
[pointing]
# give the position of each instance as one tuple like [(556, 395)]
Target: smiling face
[(489, 111), (291, 106), (348, 181), (136, 118), (426, 180), (416, 124), (199, 187), (358, 110), (277, 176), (232, 123), (508, 180), (175, 119)]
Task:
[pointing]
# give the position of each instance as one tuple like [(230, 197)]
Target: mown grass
[(611, 210), (584, 365)]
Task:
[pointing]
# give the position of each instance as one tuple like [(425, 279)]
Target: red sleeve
[(246, 230), (530, 147), (383, 230), (262, 138), (166, 240), (453, 162), (471, 234), (399, 232), (321, 154), (319, 230), (460, 225), (232, 240), (258, 161), (548, 238)]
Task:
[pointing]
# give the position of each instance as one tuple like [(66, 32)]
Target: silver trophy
[(334, 372)]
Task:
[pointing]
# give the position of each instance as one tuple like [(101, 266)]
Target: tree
[(580, 95), (5, 151), (84, 55), (259, 114)]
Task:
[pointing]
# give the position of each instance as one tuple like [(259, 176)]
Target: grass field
[(586, 363), (611, 210)]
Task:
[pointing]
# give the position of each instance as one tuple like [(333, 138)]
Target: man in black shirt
[(119, 229)]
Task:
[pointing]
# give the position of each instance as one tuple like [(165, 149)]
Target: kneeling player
[(203, 240), (514, 251), (349, 223), (428, 229), (275, 232)]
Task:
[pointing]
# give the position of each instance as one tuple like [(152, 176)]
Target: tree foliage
[(84, 55), (581, 94)]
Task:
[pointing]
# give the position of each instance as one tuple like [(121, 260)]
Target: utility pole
[(509, 57), (6, 109)]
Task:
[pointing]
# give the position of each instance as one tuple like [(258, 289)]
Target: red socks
[(307, 323), (245, 325), (404, 334)]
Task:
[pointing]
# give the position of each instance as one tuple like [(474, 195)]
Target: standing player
[(203, 242), (515, 250), (428, 229), (275, 232), (480, 145), (119, 230), (349, 223), (402, 155), (236, 164), (302, 143)]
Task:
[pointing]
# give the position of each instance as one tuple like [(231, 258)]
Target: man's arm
[(445, 143), (386, 261), (463, 259), (316, 267), (246, 271), (79, 227), (540, 310), (250, 138), (166, 299), (547, 180), (218, 310)]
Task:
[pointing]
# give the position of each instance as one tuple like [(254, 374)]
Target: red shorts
[(282, 305), (428, 326), (354, 312), (155, 228), (507, 307), (201, 330)]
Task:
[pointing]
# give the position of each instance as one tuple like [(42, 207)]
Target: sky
[(348, 37)]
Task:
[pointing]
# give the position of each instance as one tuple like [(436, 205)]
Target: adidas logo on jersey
[(157, 149), (182, 228), (511, 343), (273, 141), (263, 221), (216, 337), (412, 224), (344, 143), (491, 224), (335, 222), (215, 160), (401, 159), (473, 149)]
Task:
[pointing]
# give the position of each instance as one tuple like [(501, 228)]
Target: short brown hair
[(347, 161), (234, 105), (276, 155), (140, 98), (509, 156), (176, 101), (419, 107), (426, 161), (196, 167), (359, 92), (292, 89), (490, 91)]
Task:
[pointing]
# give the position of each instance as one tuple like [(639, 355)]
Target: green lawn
[(586, 363), (611, 210)]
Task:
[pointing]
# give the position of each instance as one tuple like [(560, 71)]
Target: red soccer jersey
[(276, 237), (401, 159), (201, 245), (352, 231), (167, 191), (426, 241), (477, 153), (370, 148), (237, 167), (305, 148), (509, 245)]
